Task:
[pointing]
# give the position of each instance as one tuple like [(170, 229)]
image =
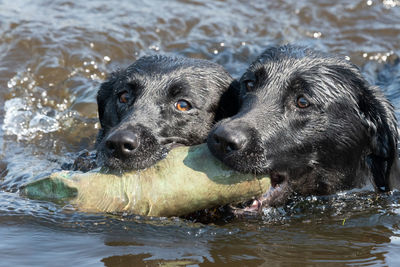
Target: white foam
[(21, 120)]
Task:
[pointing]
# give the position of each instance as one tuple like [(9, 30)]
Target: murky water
[(53, 56)]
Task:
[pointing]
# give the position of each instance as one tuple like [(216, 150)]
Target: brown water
[(54, 54)]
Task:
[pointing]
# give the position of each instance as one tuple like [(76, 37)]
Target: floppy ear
[(383, 160), (229, 103), (104, 96)]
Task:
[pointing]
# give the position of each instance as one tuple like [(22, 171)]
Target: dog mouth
[(172, 142), (144, 156), (131, 148), (275, 196)]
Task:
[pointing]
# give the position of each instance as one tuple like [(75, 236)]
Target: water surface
[(54, 55)]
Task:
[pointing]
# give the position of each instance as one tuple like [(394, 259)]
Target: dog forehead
[(326, 78), (196, 84), (165, 65), (171, 84)]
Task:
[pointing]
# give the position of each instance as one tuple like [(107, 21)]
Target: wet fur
[(346, 138), (155, 84)]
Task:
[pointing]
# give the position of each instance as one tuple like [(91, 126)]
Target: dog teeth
[(253, 207)]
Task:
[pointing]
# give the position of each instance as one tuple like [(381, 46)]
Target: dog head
[(156, 103), (312, 123)]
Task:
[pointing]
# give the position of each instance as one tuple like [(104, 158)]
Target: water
[(54, 55)]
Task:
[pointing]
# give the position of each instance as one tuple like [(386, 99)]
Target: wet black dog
[(156, 103), (312, 123)]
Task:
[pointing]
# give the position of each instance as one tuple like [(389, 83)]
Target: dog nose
[(122, 144), (226, 140)]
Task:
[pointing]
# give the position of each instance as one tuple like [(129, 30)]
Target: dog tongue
[(258, 203), (255, 205)]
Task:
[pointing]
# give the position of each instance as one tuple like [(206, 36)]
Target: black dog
[(159, 102), (312, 123)]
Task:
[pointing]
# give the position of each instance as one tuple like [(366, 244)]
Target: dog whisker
[(142, 118), (173, 140), (306, 120)]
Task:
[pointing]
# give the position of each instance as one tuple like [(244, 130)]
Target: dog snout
[(122, 144), (225, 140)]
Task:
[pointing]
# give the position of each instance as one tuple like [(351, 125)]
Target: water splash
[(25, 123)]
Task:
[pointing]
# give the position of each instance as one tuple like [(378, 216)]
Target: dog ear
[(104, 95), (379, 116), (229, 103)]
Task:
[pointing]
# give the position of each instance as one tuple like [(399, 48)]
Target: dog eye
[(302, 102), (183, 105), (249, 85), (124, 97)]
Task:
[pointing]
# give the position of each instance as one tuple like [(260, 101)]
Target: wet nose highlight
[(122, 144), (228, 140)]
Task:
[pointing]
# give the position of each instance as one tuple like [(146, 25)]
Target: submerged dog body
[(156, 103), (312, 123)]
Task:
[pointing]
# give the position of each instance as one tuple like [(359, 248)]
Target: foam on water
[(24, 122), (55, 53)]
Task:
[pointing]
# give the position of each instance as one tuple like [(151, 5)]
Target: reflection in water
[(53, 56)]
